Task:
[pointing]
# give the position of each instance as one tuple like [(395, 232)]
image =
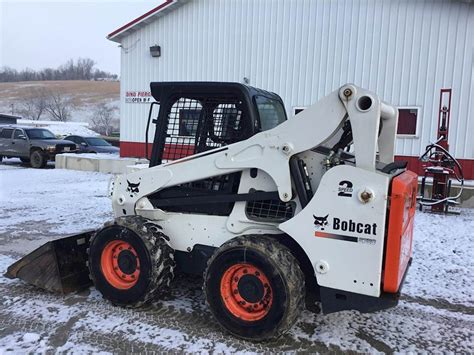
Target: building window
[(407, 121), (298, 109)]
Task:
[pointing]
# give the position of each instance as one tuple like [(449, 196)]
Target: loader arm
[(270, 151)]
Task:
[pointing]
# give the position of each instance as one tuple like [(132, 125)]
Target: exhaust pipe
[(58, 266)]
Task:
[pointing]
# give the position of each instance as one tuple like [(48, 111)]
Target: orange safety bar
[(400, 229)]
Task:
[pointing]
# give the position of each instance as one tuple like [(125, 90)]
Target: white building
[(404, 50)]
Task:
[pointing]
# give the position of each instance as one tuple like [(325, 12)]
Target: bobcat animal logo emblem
[(321, 222), (133, 188)]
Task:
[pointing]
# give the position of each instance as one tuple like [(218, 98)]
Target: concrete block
[(104, 163)]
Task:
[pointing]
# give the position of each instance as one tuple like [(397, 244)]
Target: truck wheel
[(38, 159), (131, 261), (254, 287)]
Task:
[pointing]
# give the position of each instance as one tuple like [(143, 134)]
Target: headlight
[(51, 148)]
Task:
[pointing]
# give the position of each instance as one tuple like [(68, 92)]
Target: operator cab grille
[(270, 210), (196, 126)]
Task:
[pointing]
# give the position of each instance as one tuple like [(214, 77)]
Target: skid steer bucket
[(57, 266)]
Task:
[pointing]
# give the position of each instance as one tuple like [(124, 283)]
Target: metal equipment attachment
[(440, 165), (57, 266)]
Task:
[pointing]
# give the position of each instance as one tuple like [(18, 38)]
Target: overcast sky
[(38, 34)]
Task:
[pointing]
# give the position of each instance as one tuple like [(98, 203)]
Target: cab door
[(20, 143), (6, 141)]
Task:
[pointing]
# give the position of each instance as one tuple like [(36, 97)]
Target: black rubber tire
[(38, 159), (155, 255), (25, 160), (283, 272)]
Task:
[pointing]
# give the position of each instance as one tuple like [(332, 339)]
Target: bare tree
[(34, 104), (103, 118), (59, 106), (80, 69), (85, 66)]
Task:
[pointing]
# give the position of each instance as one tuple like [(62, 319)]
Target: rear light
[(400, 229)]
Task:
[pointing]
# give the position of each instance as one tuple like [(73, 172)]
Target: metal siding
[(405, 51)]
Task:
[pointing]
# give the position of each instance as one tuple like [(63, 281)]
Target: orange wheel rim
[(120, 264), (246, 292)]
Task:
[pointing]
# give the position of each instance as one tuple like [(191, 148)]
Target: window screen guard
[(196, 126)]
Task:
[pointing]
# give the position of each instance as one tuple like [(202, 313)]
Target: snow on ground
[(435, 314), (40, 192), (443, 258), (70, 129), (62, 129)]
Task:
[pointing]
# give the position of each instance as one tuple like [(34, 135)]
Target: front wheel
[(254, 287), (38, 159), (130, 261)]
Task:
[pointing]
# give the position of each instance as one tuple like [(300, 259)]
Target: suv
[(32, 145), (93, 145)]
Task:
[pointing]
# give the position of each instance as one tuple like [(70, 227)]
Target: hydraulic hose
[(459, 177)]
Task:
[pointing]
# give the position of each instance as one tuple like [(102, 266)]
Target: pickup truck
[(32, 145)]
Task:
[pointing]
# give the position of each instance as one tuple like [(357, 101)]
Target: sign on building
[(138, 97)]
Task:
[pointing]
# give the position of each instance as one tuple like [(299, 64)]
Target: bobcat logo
[(321, 222), (133, 188)]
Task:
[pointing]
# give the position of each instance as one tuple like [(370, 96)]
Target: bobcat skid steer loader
[(273, 212)]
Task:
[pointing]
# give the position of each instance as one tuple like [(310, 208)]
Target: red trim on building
[(134, 149), (142, 17), (137, 150), (172, 151)]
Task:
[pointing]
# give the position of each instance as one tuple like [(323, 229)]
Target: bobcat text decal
[(351, 226), (346, 226)]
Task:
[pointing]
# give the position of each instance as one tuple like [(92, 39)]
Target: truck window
[(6, 133), (39, 133), (18, 133)]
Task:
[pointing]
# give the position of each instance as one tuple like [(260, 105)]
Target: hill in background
[(85, 95)]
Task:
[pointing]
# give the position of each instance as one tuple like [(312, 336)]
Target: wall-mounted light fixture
[(155, 51)]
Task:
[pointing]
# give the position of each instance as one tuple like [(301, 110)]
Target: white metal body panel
[(406, 51), (350, 264), (185, 230)]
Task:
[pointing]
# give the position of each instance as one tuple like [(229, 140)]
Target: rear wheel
[(254, 287), (38, 159), (130, 261)]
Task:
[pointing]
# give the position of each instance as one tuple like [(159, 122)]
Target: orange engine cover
[(400, 229)]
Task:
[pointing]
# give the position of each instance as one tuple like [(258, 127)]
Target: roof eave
[(143, 20)]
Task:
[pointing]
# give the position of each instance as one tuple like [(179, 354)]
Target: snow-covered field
[(62, 129), (436, 313)]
